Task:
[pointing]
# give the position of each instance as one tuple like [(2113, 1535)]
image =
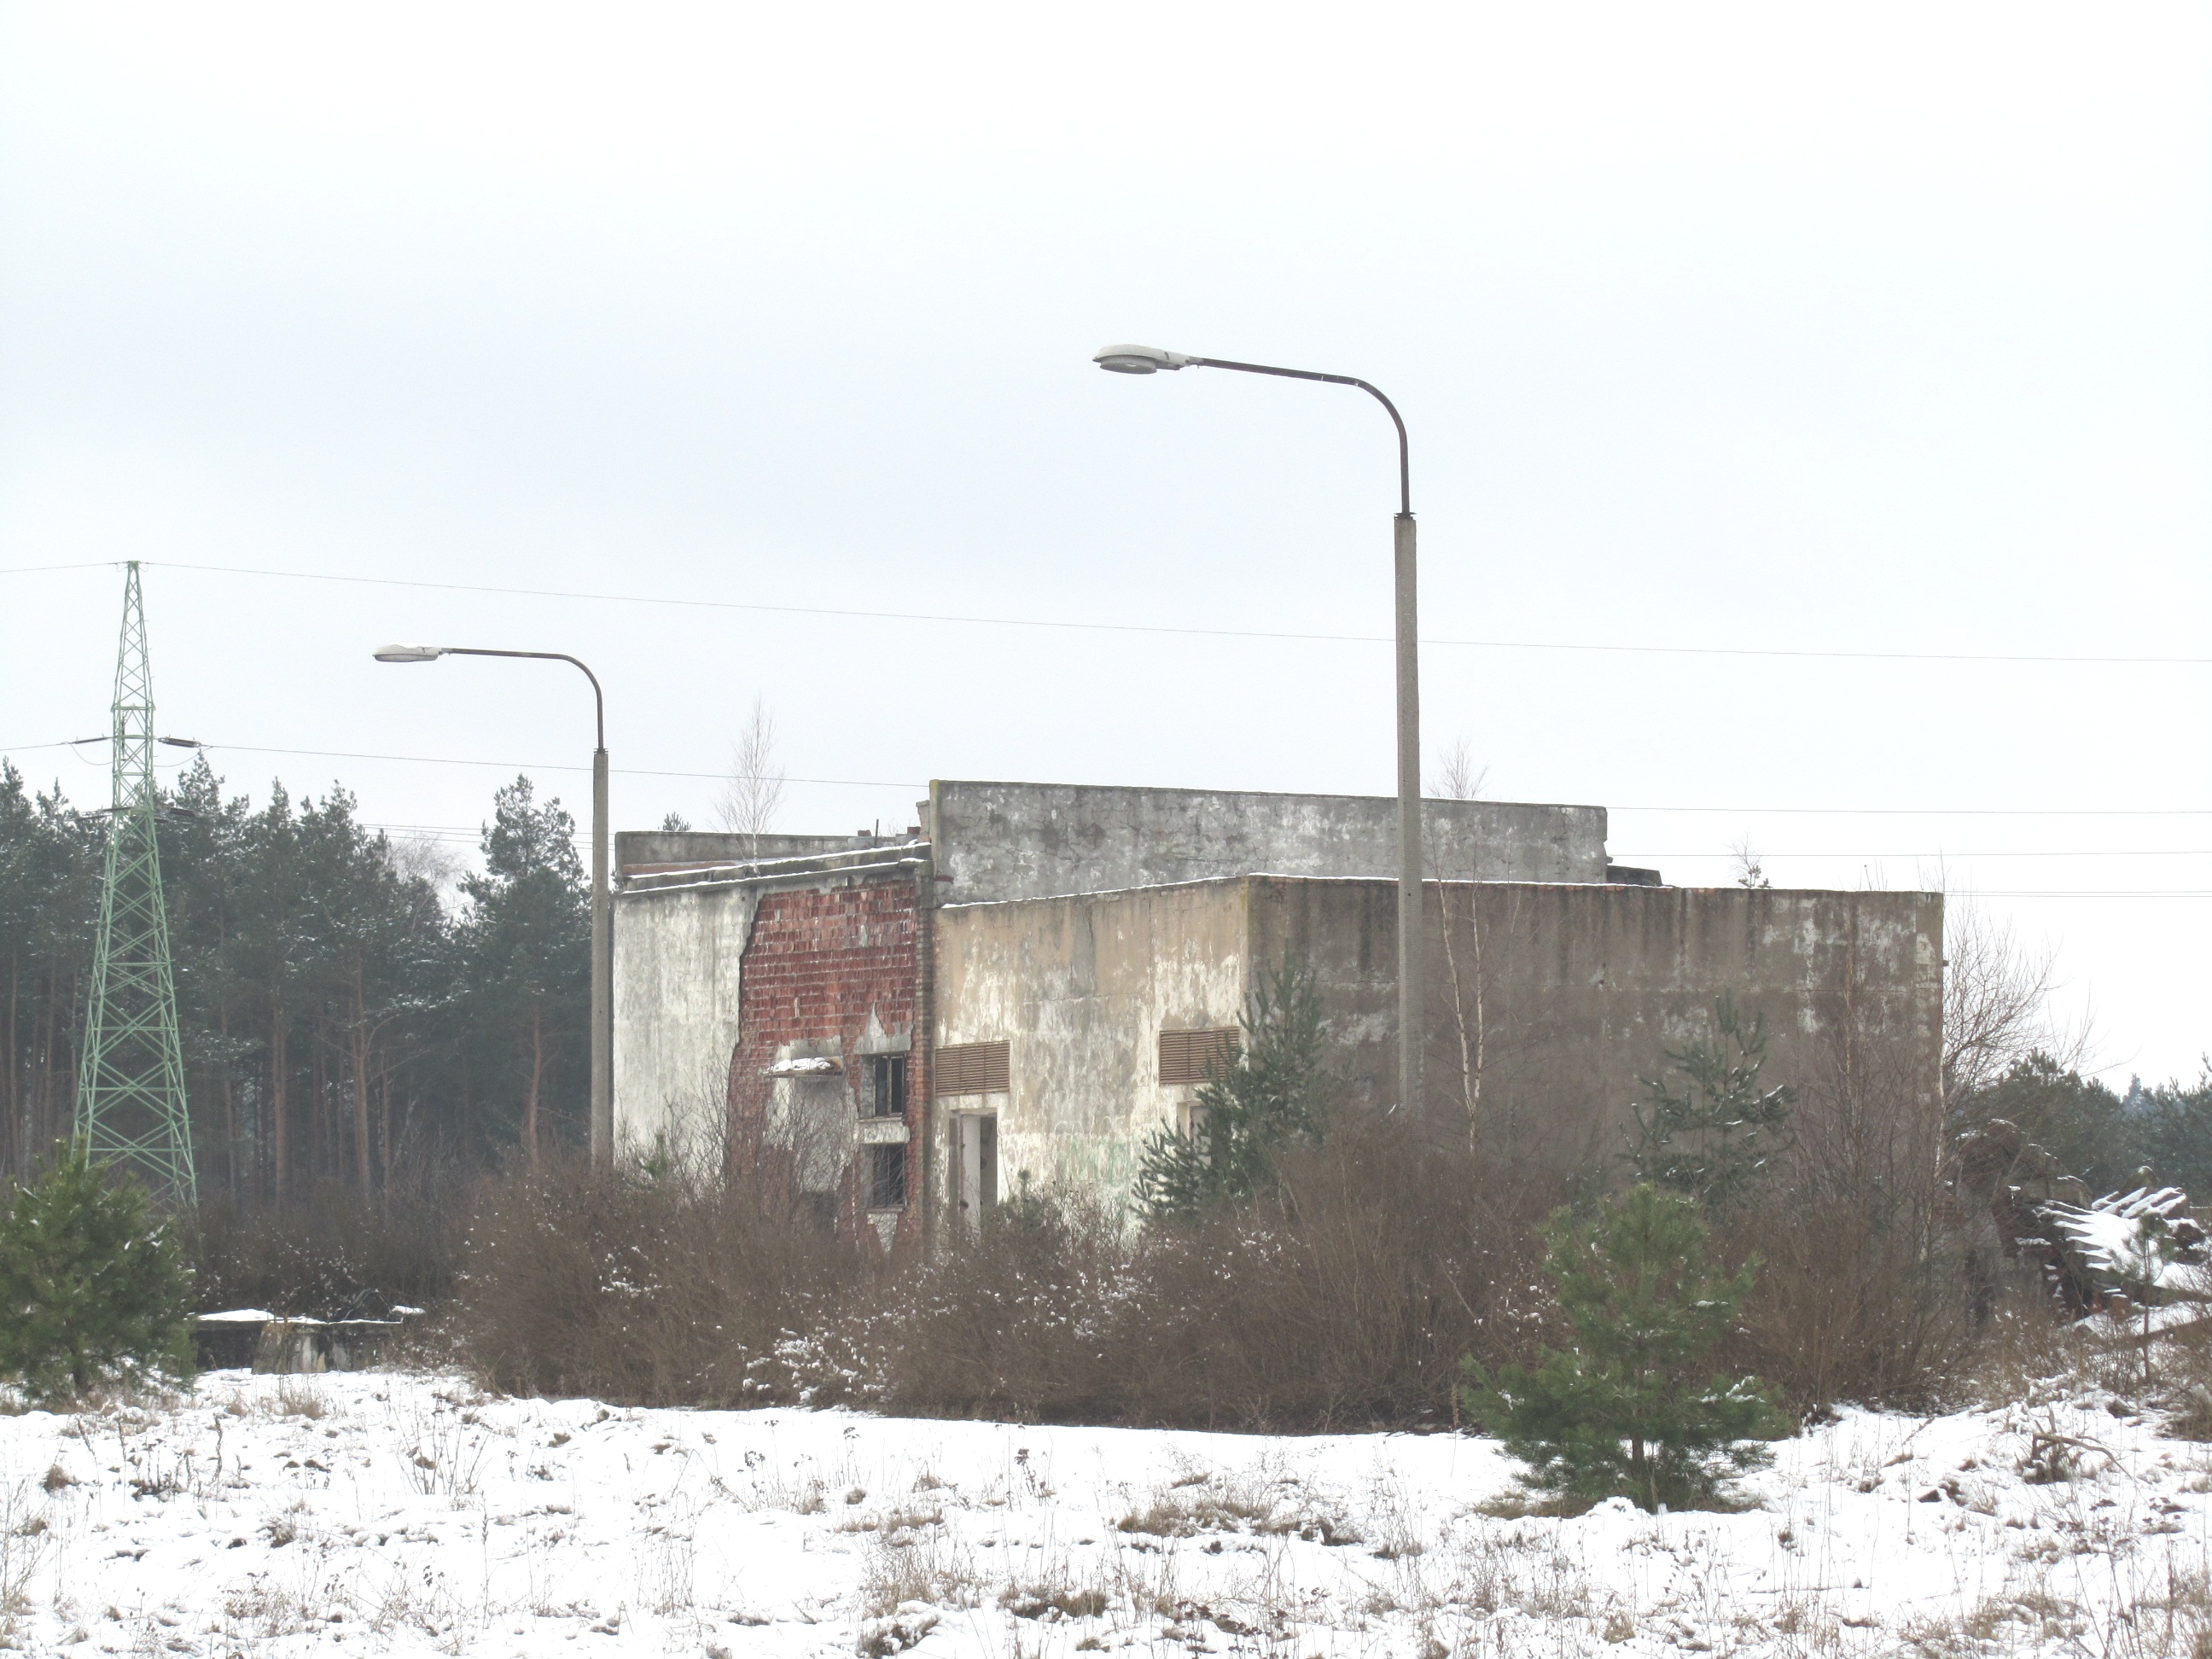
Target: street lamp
[(1150, 360), (603, 956)]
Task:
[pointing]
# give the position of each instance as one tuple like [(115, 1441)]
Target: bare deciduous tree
[(1997, 1001), (1750, 871), (1460, 779), (425, 858), (754, 794)]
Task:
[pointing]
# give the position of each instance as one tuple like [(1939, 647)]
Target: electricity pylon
[(130, 1085)]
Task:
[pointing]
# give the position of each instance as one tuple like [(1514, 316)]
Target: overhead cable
[(2084, 659)]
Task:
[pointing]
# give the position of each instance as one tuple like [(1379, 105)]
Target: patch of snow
[(409, 1514), (818, 1066), (2128, 1237)]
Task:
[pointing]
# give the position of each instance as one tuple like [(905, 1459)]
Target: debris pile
[(2145, 1247)]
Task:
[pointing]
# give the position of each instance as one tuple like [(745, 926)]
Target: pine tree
[(1711, 1140), (91, 1286), (526, 955), (1273, 1094), (1633, 1409)]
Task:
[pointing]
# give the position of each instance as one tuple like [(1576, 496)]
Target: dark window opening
[(887, 1178), (887, 1091)]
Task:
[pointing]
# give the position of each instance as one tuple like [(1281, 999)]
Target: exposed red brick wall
[(819, 962)]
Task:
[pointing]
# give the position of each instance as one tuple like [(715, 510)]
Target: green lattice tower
[(131, 1085)]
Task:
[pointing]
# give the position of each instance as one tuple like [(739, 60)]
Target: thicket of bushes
[(1340, 1288), (1346, 1301)]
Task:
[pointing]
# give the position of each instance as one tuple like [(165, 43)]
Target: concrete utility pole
[(1412, 961), (603, 944)]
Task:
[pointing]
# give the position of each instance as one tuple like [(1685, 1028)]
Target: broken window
[(887, 1177), (887, 1086)]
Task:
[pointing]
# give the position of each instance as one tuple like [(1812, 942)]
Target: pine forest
[(344, 1020)]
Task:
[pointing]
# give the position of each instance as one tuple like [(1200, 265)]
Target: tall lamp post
[(603, 955), (1150, 360)]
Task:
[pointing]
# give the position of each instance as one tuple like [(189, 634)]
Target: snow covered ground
[(403, 1514)]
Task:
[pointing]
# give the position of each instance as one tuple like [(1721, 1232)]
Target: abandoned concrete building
[(1036, 977)]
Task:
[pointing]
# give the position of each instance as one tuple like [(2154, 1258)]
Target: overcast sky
[(1813, 329)]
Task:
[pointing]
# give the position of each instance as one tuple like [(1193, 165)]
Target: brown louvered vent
[(1193, 1056), (969, 1068)]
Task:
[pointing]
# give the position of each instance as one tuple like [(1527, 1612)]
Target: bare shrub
[(2185, 1371), (1345, 1304), (1019, 1319), (656, 1287), (1862, 1292), (315, 1255)]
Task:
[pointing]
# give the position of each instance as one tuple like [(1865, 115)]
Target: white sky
[(1810, 328)]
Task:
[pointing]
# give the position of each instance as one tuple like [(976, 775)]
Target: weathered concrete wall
[(677, 954), (1014, 840), (661, 849), (1079, 990), (1583, 989)]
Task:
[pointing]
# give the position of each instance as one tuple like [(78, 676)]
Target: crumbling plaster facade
[(684, 937), (679, 955), (1583, 989), (1079, 989), (1075, 925)]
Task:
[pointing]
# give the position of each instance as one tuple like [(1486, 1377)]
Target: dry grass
[(928, 1568), (24, 1539)]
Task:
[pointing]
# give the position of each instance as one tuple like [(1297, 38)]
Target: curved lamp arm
[(1149, 360), (432, 653)]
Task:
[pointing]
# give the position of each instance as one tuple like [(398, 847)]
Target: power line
[(519, 766), (2117, 893), (896, 783), (1058, 623), (1945, 853), (1943, 811)]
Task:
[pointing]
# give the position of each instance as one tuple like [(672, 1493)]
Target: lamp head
[(1140, 359), (409, 653)]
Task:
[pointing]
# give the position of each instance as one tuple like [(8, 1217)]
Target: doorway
[(975, 1165)]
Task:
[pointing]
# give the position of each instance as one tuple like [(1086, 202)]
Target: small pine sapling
[(1712, 1139), (1633, 1409), (1273, 1094), (2139, 1264), (92, 1285)]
